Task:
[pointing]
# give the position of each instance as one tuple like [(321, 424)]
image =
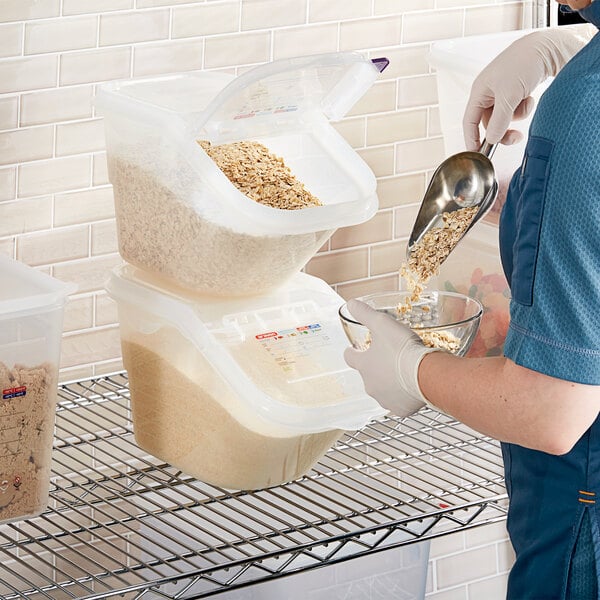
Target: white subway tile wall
[(56, 209)]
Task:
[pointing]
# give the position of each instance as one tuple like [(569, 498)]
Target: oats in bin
[(260, 174)]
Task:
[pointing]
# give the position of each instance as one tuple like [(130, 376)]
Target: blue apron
[(550, 249)]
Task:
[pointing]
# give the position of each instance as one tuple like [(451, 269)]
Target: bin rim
[(35, 291)]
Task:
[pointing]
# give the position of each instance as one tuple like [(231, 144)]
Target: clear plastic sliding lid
[(26, 290), (328, 83), (281, 353)]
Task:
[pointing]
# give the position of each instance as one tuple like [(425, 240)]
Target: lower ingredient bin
[(243, 394)]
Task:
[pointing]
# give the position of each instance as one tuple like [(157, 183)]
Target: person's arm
[(511, 403), (492, 395)]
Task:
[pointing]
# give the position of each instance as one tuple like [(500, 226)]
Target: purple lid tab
[(381, 63)]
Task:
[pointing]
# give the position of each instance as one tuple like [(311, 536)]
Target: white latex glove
[(390, 366), (502, 91)]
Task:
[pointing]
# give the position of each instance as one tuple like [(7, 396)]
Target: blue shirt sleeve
[(592, 13)]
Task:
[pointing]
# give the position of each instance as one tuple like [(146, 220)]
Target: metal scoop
[(464, 180)]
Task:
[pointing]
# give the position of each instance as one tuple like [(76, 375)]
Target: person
[(541, 399)]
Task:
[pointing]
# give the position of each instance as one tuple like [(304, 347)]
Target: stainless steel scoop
[(463, 180)]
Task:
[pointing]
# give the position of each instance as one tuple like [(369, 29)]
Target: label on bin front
[(270, 110), (289, 333), (297, 351), (14, 392)]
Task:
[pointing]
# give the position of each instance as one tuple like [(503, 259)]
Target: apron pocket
[(529, 213)]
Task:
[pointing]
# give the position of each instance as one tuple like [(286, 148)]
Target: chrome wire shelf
[(122, 523)]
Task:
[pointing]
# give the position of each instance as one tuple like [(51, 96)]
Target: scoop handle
[(487, 149)]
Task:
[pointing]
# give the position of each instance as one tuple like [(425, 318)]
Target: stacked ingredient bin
[(474, 267), (457, 62), (234, 356), (31, 320)]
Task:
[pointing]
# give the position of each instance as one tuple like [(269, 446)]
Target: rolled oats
[(439, 339), (260, 175), (424, 262), (434, 247)]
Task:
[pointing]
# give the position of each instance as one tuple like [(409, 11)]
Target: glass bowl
[(446, 320)]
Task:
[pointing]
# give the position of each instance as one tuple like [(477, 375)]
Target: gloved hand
[(390, 366), (502, 91)]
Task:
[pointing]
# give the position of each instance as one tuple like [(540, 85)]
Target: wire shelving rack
[(121, 523)]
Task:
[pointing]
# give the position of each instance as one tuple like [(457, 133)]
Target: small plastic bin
[(394, 574), (474, 268), (457, 63), (243, 394), (180, 217), (31, 319)]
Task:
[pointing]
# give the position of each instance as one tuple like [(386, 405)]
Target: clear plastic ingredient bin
[(31, 318), (181, 218), (474, 269), (243, 394), (396, 574), (457, 63)]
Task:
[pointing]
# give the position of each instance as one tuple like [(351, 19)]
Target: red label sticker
[(264, 336), (14, 392)]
